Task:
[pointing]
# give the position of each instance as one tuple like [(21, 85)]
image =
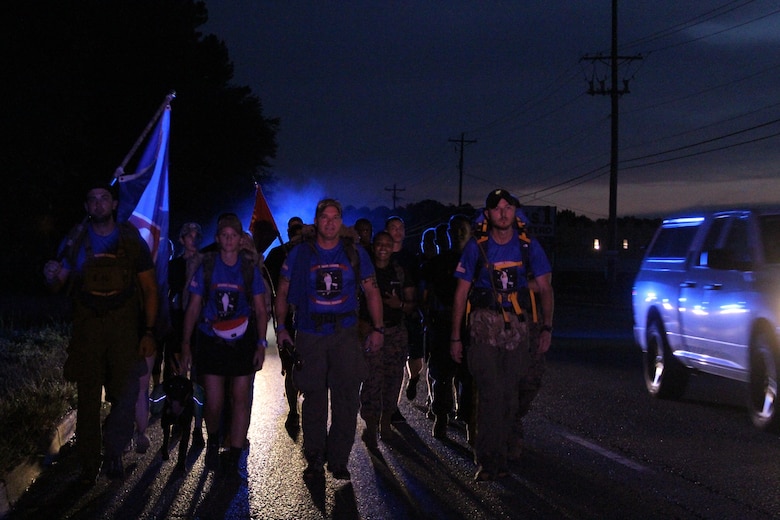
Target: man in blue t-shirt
[(110, 271), (319, 281), (507, 330)]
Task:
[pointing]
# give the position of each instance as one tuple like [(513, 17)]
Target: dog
[(178, 410)]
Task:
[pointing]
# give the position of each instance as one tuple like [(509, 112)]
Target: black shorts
[(225, 358)]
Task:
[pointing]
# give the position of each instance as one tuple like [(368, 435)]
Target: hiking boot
[(369, 436), (515, 451), (212, 455), (293, 424), (339, 472), (411, 387), (197, 438), (89, 475), (483, 475), (396, 417), (440, 427), (385, 430), (313, 470), (233, 463), (315, 467), (88, 478), (114, 467), (471, 433), (141, 443)]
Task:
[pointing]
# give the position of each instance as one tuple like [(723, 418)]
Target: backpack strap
[(482, 238), (247, 273)]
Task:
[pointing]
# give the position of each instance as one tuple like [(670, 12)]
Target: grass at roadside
[(33, 393)]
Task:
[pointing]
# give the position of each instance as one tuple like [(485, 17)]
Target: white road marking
[(606, 453)]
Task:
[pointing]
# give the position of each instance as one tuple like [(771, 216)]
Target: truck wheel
[(665, 377), (762, 384)]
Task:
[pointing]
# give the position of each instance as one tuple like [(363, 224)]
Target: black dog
[(178, 409)]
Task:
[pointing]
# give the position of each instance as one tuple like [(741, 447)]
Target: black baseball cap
[(495, 196)]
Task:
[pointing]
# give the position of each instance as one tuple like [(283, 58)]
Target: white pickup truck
[(707, 298)]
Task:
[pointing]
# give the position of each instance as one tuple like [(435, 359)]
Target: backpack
[(523, 299), (116, 270)]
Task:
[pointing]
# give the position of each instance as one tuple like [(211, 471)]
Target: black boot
[(369, 435), (212, 453), (232, 466), (411, 388), (440, 427)]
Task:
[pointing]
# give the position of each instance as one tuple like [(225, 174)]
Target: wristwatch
[(380, 330), (546, 328), (262, 343)]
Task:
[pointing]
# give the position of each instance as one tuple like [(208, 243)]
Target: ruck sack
[(107, 280), (523, 302)]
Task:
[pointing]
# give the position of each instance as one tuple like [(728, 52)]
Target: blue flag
[(143, 201)]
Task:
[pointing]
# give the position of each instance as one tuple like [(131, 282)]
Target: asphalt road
[(598, 447)]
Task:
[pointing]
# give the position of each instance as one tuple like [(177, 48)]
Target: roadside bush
[(33, 393)]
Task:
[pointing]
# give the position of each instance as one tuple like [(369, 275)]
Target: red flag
[(262, 226)]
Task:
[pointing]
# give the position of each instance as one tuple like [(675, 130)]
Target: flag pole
[(77, 230), (121, 168)]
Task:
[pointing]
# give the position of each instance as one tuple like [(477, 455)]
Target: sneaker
[(142, 443), (411, 388), (339, 472), (397, 417), (114, 467)]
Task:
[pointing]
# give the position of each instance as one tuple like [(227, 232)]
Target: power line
[(691, 22)]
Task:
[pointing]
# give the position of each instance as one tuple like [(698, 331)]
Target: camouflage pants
[(498, 357), (530, 384), (379, 395)]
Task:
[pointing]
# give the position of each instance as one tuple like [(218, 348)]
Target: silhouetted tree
[(82, 81)]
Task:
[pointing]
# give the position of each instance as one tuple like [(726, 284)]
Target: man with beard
[(505, 327), (110, 271)]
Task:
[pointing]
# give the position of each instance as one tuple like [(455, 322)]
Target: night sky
[(372, 94)]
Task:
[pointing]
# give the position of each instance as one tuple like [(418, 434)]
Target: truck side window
[(737, 244), (712, 239), (770, 238)]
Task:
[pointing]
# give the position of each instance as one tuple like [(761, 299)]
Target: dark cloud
[(370, 95)]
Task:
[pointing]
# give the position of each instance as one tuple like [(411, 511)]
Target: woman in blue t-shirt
[(227, 303)]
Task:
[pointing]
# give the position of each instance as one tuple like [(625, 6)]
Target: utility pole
[(614, 92), (462, 142), (395, 191)]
